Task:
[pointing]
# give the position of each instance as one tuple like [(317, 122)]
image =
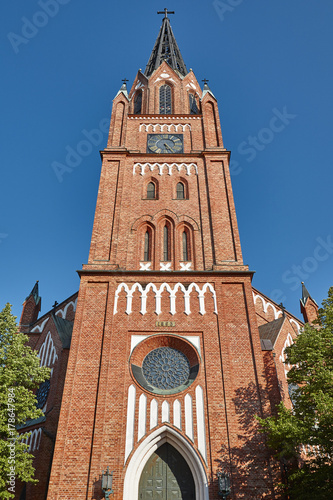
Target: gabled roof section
[(166, 49), (271, 330), (64, 329)]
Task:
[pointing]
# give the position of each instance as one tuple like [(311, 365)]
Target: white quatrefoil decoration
[(165, 266), (145, 266), (185, 266)]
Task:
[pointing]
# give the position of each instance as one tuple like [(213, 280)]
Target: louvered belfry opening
[(165, 100), (166, 49)]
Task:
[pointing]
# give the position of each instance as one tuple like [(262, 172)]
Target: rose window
[(166, 368)]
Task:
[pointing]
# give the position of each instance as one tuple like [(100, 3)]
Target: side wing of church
[(172, 352)]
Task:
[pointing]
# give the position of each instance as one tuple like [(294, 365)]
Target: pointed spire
[(309, 307), (306, 295), (123, 88), (34, 293), (206, 89), (166, 49)]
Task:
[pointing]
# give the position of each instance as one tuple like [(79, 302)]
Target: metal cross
[(283, 309), (205, 80), (165, 12), (125, 80)]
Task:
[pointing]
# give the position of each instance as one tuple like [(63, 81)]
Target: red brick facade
[(138, 293)]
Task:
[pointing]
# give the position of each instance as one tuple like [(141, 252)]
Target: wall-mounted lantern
[(107, 483), (224, 484)]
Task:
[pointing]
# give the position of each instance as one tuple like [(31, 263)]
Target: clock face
[(165, 143)]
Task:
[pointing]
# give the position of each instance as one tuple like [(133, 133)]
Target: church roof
[(166, 49), (64, 329), (271, 330)]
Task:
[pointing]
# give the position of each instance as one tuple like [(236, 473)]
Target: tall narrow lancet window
[(185, 246), (138, 103), (180, 191), (146, 256), (193, 105), (151, 191), (165, 100), (166, 253)]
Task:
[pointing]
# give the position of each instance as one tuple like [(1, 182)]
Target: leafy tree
[(308, 426), (20, 373)]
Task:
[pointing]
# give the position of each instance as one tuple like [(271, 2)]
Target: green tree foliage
[(20, 374), (309, 425)]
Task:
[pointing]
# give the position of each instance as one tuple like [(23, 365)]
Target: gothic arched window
[(138, 103), (165, 100), (194, 110), (180, 191), (151, 191), (146, 256), (166, 253), (185, 246)]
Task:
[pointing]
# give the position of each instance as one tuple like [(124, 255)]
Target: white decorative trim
[(189, 416), (277, 313), (165, 266), (199, 403), (159, 79), (158, 295), (33, 441), (185, 266), (130, 421), (136, 339), (298, 326), (165, 412), (266, 305), (40, 328), (150, 444), (142, 416), (161, 126), (145, 266), (47, 352), (153, 414), (177, 414), (289, 341), (63, 312), (168, 166)]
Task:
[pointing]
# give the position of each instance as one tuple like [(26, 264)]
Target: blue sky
[(63, 62)]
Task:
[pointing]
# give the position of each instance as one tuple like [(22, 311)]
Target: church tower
[(165, 372)]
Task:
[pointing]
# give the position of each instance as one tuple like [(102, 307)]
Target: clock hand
[(168, 147)]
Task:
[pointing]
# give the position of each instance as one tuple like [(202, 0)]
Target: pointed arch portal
[(152, 451), (167, 476)]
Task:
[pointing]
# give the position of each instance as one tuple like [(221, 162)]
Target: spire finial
[(165, 12)]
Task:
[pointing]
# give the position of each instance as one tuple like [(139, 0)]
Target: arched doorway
[(166, 476)]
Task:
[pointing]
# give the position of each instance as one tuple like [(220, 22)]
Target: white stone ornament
[(165, 266), (145, 266), (185, 266)]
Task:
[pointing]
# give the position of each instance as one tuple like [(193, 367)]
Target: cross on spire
[(205, 80), (125, 80), (165, 12)]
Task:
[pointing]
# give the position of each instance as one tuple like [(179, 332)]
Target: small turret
[(31, 309), (309, 307)]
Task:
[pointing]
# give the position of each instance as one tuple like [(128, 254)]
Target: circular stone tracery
[(166, 368)]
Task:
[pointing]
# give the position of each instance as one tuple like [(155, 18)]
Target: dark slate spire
[(34, 293), (305, 295), (166, 49)]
